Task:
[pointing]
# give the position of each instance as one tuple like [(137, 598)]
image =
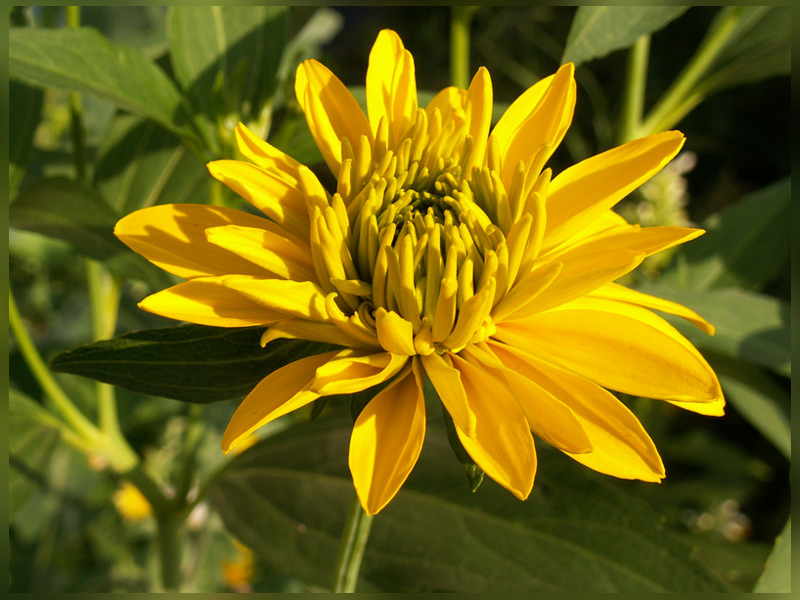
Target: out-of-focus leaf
[(759, 48), (140, 164), (599, 30), (320, 29), (287, 498), (68, 211), (777, 576), (750, 326), (759, 400), (746, 244), (24, 112), (83, 60), (32, 435), (226, 57), (193, 363)]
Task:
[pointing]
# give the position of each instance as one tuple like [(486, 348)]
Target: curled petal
[(387, 440)]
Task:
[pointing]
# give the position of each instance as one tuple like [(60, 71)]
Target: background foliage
[(159, 94)]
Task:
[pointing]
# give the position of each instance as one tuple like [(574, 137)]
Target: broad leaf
[(777, 576), (745, 245), (750, 326), (33, 433), (226, 57), (287, 498), (24, 113), (759, 48), (193, 363), (759, 400), (67, 211), (141, 164), (83, 60), (599, 30)]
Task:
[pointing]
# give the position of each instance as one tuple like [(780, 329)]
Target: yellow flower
[(445, 252), (130, 502)]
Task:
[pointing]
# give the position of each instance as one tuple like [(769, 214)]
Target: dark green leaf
[(66, 210), (33, 433), (226, 57), (759, 48), (193, 363), (746, 245), (140, 164), (287, 498), (24, 112), (759, 400), (83, 60), (599, 30), (777, 576), (750, 326)]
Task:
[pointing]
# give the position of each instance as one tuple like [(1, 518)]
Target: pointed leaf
[(599, 30), (287, 497), (83, 60), (193, 363)]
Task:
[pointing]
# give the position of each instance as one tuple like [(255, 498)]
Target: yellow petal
[(502, 444), (314, 332), (386, 441), (272, 250), (613, 291), (447, 382), (355, 371), (172, 236), (539, 117), (586, 190), (648, 240), (304, 300), (479, 110), (384, 56), (266, 155), (206, 301), (620, 445), (395, 334), (279, 393), (548, 417), (281, 201), (709, 409), (331, 111), (619, 346), (582, 273)]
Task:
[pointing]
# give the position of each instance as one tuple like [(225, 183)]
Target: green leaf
[(193, 363), (24, 113), (287, 497), (141, 164), (33, 434), (745, 245), (66, 210), (759, 400), (777, 576), (83, 60), (750, 326), (599, 30), (759, 48), (226, 57)]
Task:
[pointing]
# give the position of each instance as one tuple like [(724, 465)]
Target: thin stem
[(191, 443), (461, 18), (672, 105), (216, 192), (635, 83), (169, 550), (61, 401), (351, 548)]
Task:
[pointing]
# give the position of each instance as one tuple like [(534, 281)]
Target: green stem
[(633, 95), (461, 18), (169, 550), (75, 418), (351, 548), (673, 105), (216, 192), (76, 110), (191, 443)]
